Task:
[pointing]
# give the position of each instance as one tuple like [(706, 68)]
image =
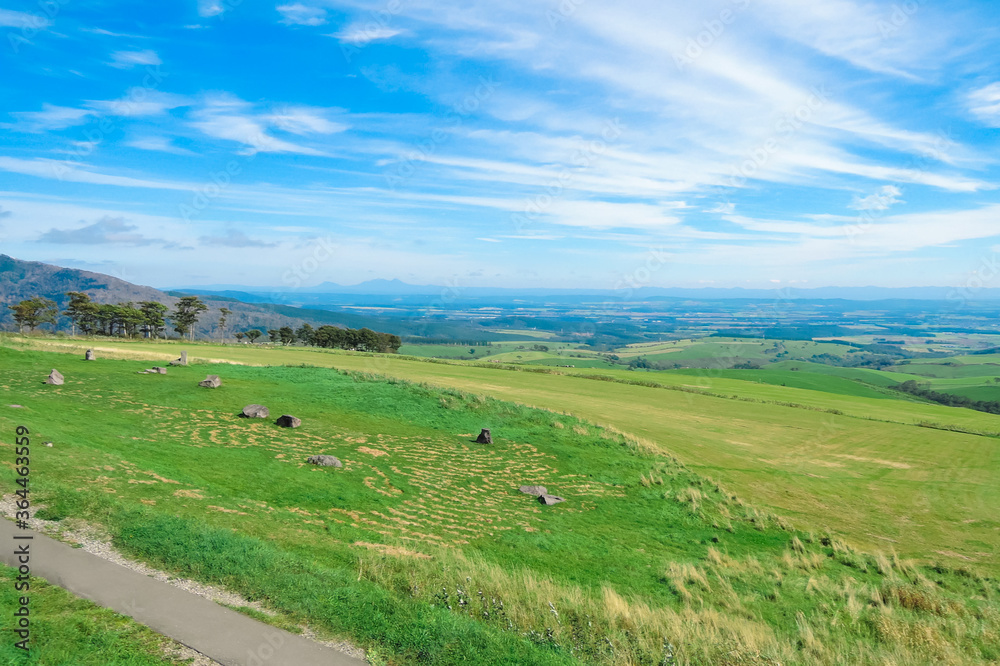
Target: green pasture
[(726, 352), (824, 383), (803, 453), (706, 524)]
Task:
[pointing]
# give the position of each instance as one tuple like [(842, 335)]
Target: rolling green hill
[(804, 454), (700, 530)]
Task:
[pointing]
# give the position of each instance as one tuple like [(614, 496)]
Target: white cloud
[(70, 171), (234, 238), (984, 103), (304, 120), (12, 19), (130, 59), (51, 117), (139, 102), (230, 118), (882, 199), (209, 8), (108, 33), (608, 215), (906, 233), (159, 144), (136, 102), (854, 236), (723, 207), (300, 14), (360, 34), (726, 102), (106, 231), (877, 37)]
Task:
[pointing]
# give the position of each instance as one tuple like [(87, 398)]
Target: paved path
[(226, 636)]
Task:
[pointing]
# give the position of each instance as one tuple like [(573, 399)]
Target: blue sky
[(757, 143)]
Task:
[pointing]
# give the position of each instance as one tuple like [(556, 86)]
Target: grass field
[(66, 630), (726, 352), (825, 383), (512, 350), (802, 462), (646, 558)]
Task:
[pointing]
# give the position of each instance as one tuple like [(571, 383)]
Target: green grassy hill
[(736, 522), (67, 630)]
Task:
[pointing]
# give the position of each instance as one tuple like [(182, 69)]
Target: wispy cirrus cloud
[(110, 33), (303, 120), (235, 239), (299, 14), (232, 119), (795, 115), (883, 199), (139, 102), (159, 144), (359, 34), (51, 117), (984, 103), (76, 173), (132, 104), (14, 19), (210, 8), (130, 59)]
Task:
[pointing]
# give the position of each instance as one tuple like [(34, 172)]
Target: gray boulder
[(255, 412), (159, 370), (288, 421), (550, 499), (183, 360), (55, 378), (534, 490), (90, 355), (211, 381), (484, 437), (324, 461)]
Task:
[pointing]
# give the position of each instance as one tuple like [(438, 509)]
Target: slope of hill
[(26, 279), (423, 547)]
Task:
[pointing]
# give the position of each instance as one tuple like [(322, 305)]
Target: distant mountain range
[(457, 313), (20, 280), (382, 287)]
